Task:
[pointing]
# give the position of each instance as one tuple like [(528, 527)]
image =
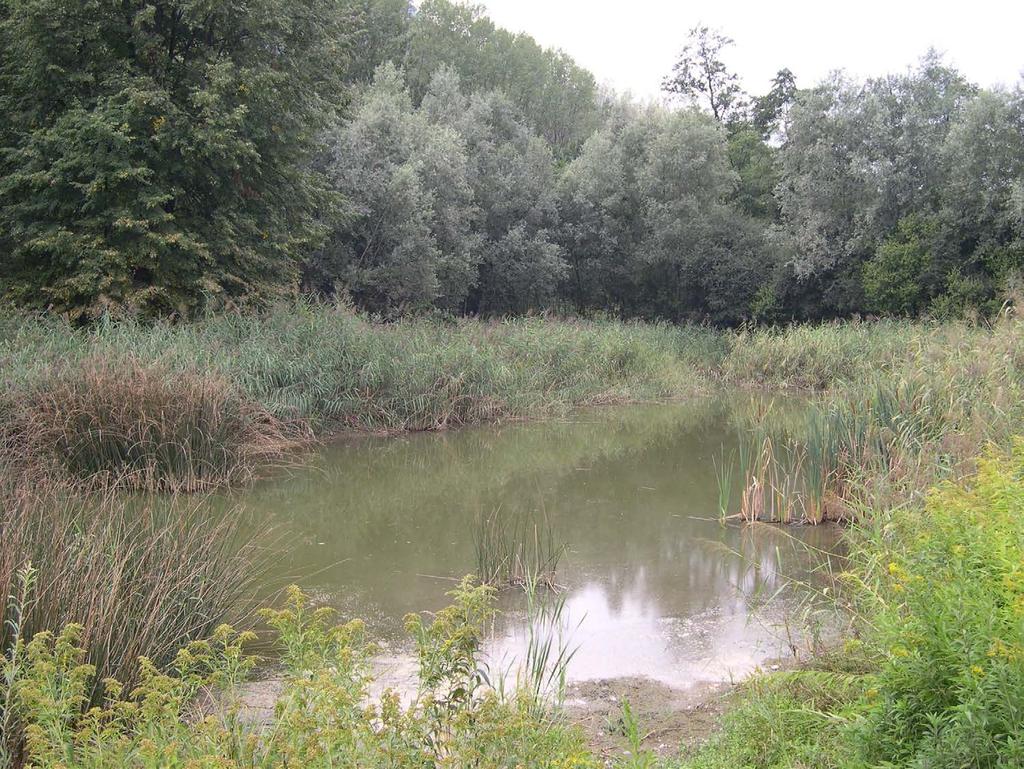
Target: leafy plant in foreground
[(325, 717)]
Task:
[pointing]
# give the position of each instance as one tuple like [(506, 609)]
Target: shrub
[(951, 627), (119, 420), (896, 279), (323, 718)]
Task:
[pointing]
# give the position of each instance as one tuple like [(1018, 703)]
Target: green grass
[(787, 721), (937, 677), (214, 401)]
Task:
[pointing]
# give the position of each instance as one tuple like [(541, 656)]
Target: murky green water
[(655, 585)]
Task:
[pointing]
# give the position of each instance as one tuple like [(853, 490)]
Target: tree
[(411, 243), (601, 209), (981, 206), (757, 168), (381, 35), (511, 172), (553, 95), (156, 154), (769, 112), (895, 277), (700, 75), (858, 158), (701, 258)]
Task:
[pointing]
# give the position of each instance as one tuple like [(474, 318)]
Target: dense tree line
[(176, 156)]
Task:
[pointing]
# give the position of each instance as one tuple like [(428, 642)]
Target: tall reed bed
[(120, 421), (191, 405), (210, 402), (881, 438), (141, 575)]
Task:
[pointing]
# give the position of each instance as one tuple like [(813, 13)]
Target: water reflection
[(657, 587)]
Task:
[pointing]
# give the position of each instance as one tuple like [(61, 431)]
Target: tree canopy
[(172, 157), (156, 156)]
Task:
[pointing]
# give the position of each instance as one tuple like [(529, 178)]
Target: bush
[(951, 689), (323, 718), (119, 420), (896, 278)]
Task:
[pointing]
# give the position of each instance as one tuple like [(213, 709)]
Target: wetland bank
[(311, 308), (654, 584), (665, 605), (666, 587)]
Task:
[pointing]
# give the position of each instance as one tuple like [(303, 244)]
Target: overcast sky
[(632, 44)]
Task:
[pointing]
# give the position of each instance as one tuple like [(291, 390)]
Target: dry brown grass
[(119, 421)]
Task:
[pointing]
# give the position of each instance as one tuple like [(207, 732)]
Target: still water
[(654, 585)]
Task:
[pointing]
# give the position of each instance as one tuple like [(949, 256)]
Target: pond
[(654, 584)]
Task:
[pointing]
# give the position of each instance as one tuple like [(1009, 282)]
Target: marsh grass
[(543, 672), (907, 421), (124, 422), (934, 675), (210, 402), (142, 575), (517, 549)]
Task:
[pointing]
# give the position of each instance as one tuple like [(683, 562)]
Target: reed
[(543, 673), (213, 401), (725, 479), (124, 422), (141, 575), (210, 402), (516, 549)]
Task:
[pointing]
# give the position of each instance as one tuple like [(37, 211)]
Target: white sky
[(631, 45)]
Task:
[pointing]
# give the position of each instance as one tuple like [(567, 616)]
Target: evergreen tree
[(155, 157)]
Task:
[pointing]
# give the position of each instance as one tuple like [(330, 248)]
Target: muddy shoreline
[(671, 719)]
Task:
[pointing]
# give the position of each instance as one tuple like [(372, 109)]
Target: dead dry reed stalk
[(120, 421)]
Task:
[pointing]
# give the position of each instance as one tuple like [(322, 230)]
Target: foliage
[(935, 680), (555, 96), (140, 576), (949, 583), (156, 156), (785, 721), (701, 75), (770, 113), (412, 242), (648, 210), (896, 278), (324, 716), (176, 158)]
